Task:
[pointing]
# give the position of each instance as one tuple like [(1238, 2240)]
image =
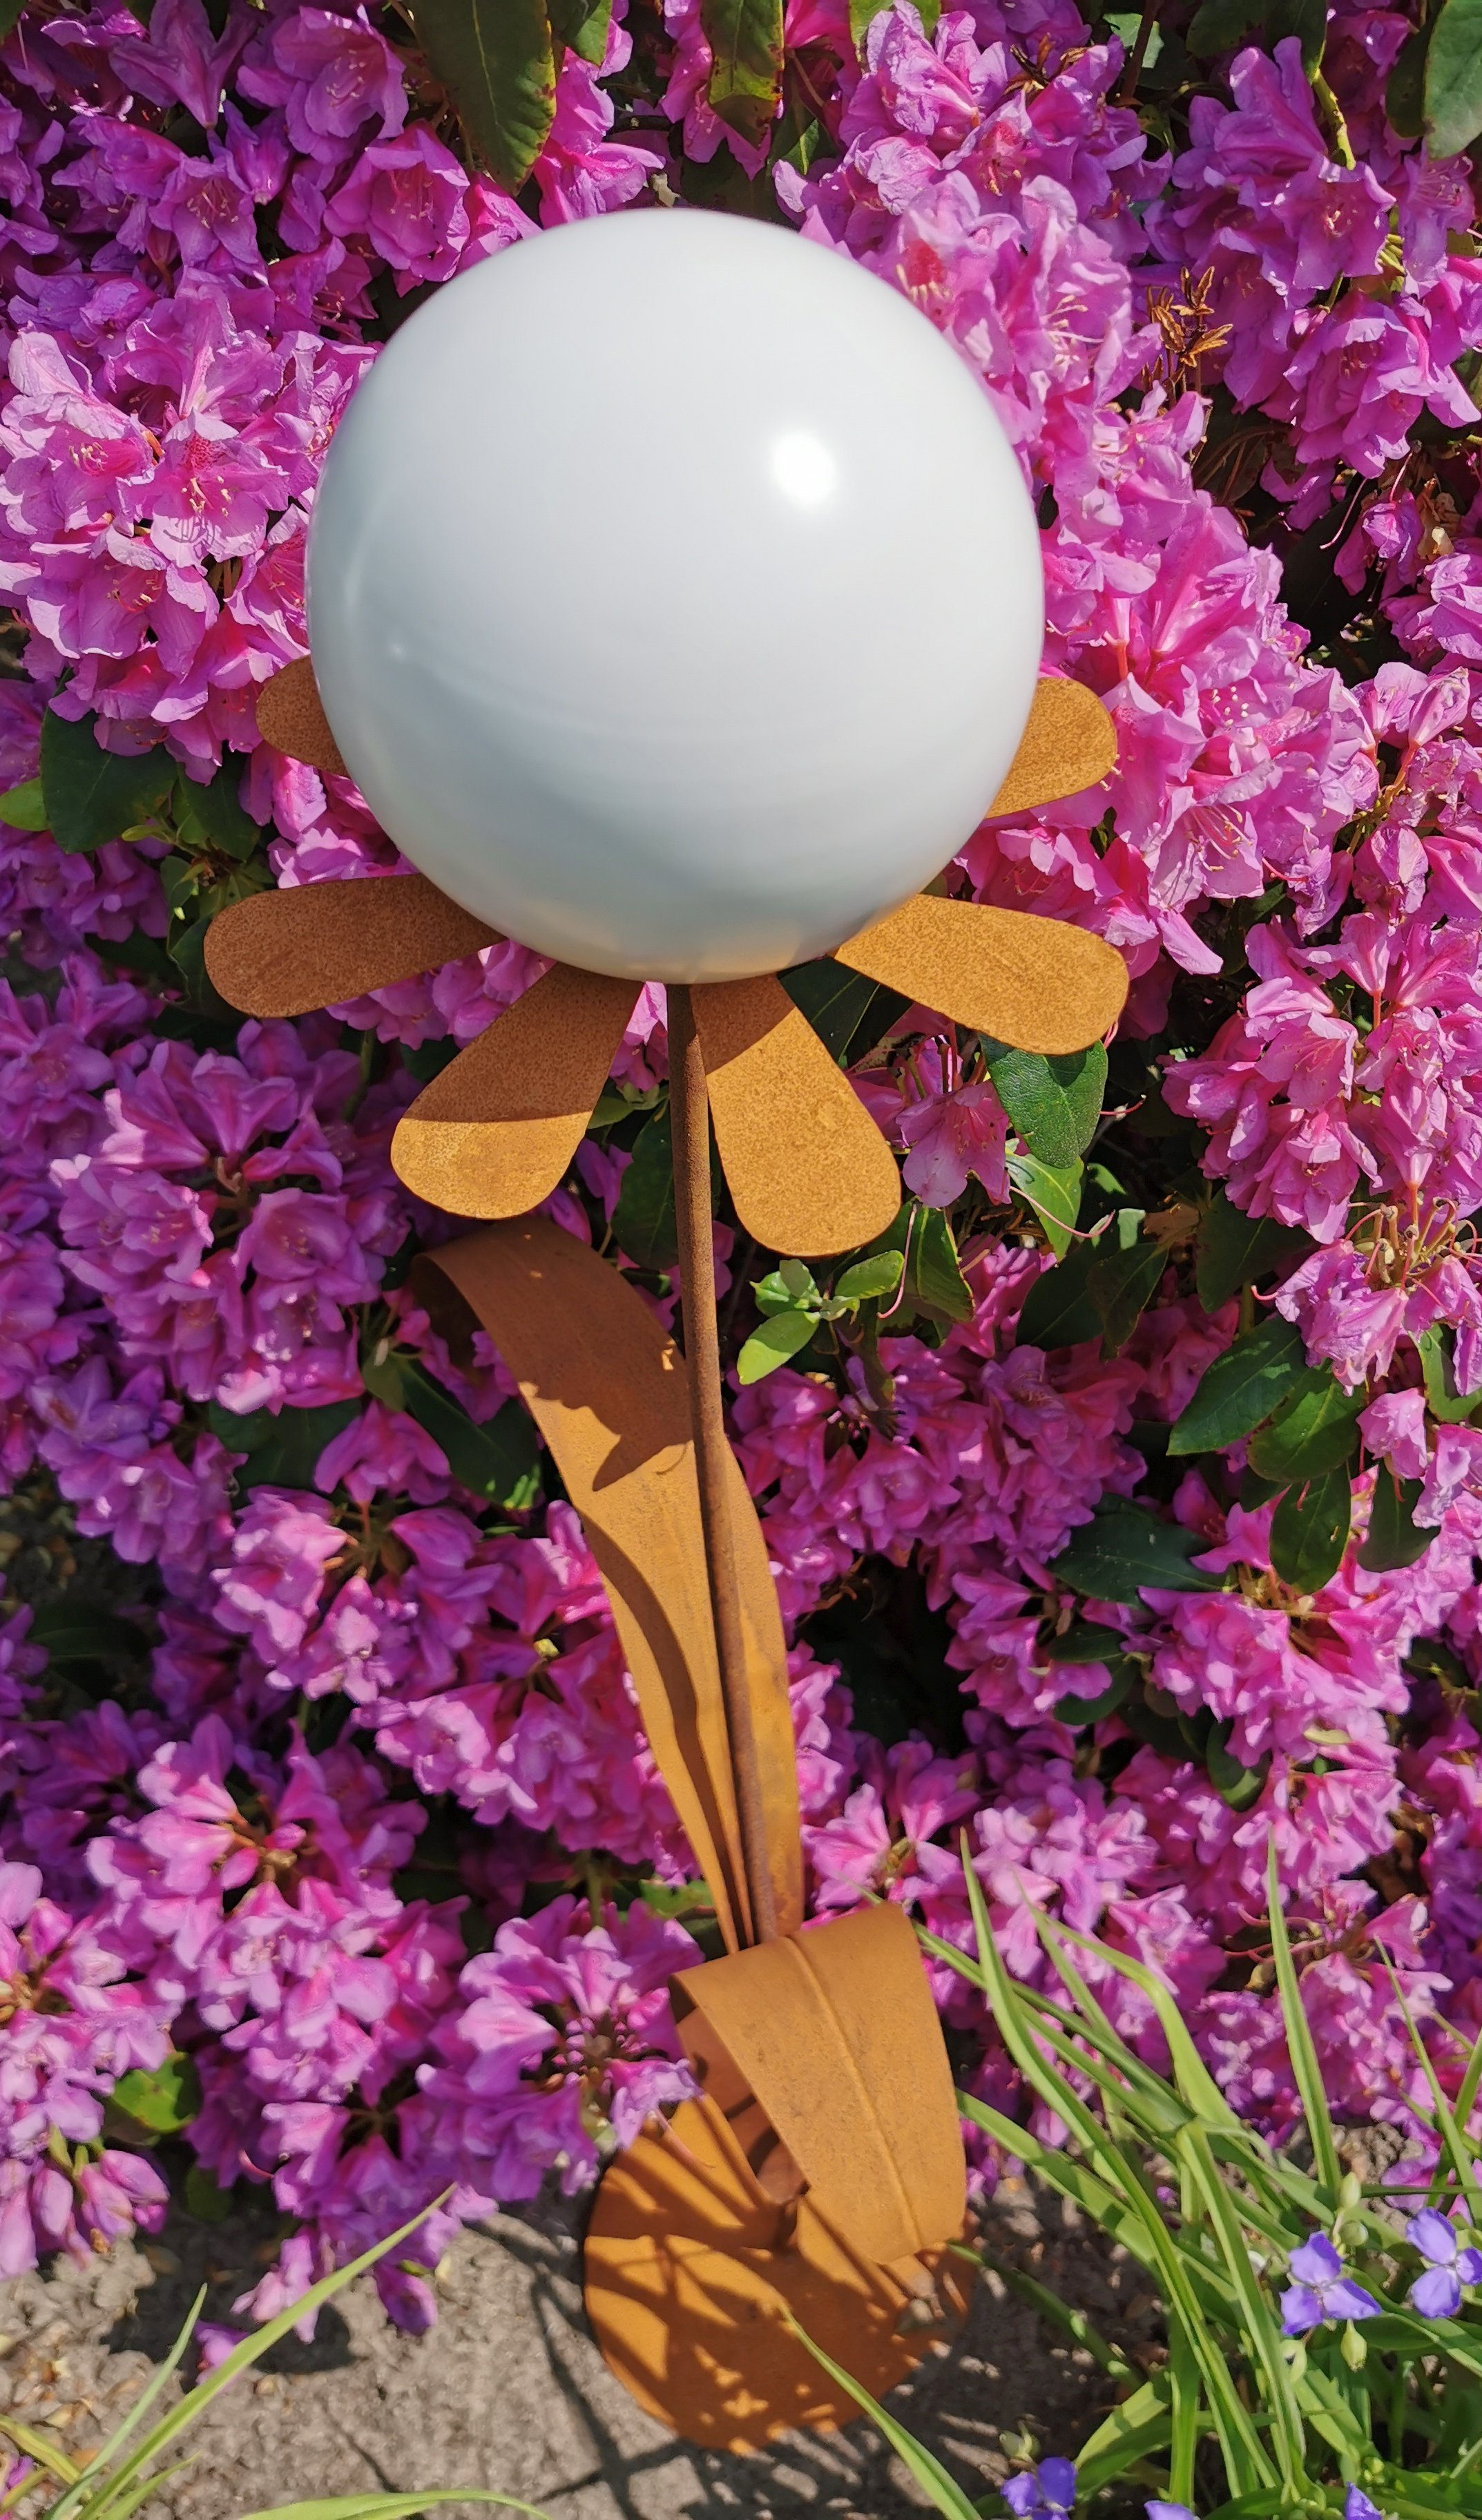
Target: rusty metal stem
[(690, 1116)]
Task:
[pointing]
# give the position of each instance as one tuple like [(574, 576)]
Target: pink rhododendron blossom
[(356, 1811)]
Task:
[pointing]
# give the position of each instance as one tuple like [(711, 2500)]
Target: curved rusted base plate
[(686, 2285)]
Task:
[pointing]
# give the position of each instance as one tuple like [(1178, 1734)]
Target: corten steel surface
[(687, 2290), (824, 2167)]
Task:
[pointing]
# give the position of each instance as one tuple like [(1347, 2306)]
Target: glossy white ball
[(674, 595)]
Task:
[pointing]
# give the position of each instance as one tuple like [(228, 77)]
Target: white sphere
[(674, 595)]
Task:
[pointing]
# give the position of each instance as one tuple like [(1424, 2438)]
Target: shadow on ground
[(509, 2390)]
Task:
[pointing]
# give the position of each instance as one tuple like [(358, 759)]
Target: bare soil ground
[(508, 2390)]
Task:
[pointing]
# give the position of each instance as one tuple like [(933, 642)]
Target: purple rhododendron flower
[(1322, 2289), (333, 1833)]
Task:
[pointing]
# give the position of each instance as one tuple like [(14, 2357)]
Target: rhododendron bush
[(1136, 1528)]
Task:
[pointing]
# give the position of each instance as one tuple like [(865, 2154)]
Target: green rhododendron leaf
[(24, 807), (873, 1278), (583, 25), (1085, 1641), (1453, 78), (163, 2100), (1238, 1786), (92, 796), (495, 59), (1059, 1311), (1394, 1538), (1448, 1405), (1219, 26), (1314, 1430), (215, 813), (496, 1459), (863, 14), (1053, 1104), (642, 1221), (848, 1012), (70, 1631), (1306, 19), (746, 85), (282, 1451), (1122, 1280), (1309, 1531), (1122, 1549), (1263, 1368), (1053, 1192), (1073, 1709), (772, 1343), (1405, 94), (1233, 1251)]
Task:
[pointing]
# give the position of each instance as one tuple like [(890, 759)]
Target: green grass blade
[(1132, 2430), (1258, 2316), (52, 2461), (250, 2351), (1184, 2425), (1459, 2152), (1108, 2210), (1246, 2458), (1191, 2076), (144, 2486), (1466, 2094), (923, 2463), (1299, 2040)]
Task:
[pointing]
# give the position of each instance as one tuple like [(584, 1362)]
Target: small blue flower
[(1168, 2511), (1048, 2494), (1437, 2294), (1358, 2506), (1322, 2289)]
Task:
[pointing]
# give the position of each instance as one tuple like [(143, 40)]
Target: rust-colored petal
[(1037, 983), (290, 717), (314, 945), (608, 1392), (809, 1171), (1069, 744), (494, 1133), (835, 2031)]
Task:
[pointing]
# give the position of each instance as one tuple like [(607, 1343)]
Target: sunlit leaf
[(24, 807), (745, 40), (880, 1276), (164, 2099), (496, 61), (772, 1343), (1053, 1192)]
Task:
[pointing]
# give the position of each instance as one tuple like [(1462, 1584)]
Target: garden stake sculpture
[(823, 2168)]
